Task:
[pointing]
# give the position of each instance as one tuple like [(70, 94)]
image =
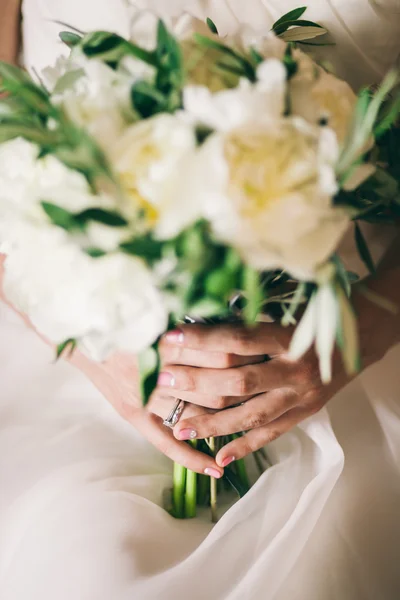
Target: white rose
[(106, 304), (152, 160), (268, 192), (260, 102)]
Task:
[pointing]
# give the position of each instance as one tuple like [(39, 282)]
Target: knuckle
[(240, 340), (305, 374), (245, 447), (223, 361), (245, 381), (272, 435), (315, 402), (255, 420), (187, 381), (220, 402)]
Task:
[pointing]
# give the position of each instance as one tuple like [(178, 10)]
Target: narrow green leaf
[(68, 345), (211, 26), (95, 252), (106, 217), (256, 56), (240, 487), (147, 99), (243, 62), (149, 366), (278, 30), (363, 249), (70, 39), (290, 16), (59, 216), (145, 247)]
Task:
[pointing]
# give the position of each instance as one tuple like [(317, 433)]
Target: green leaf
[(253, 294), (278, 30), (215, 45), (106, 217), (146, 247), (147, 99), (389, 117), (290, 16), (363, 249), (299, 34), (364, 121), (290, 64), (59, 216), (68, 345), (70, 39), (95, 252), (240, 487), (256, 56), (149, 367), (211, 26)]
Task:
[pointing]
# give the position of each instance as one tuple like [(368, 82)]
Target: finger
[(208, 402), (264, 338), (229, 384), (162, 404), (255, 413), (179, 355), (151, 426), (258, 438)]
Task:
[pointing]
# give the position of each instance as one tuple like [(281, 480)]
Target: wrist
[(378, 319)]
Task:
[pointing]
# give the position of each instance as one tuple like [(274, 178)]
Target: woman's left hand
[(265, 392)]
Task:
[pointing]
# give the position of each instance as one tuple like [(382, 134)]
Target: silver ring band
[(175, 414)]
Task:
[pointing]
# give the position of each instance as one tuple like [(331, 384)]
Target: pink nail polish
[(187, 434), (213, 473), (166, 380), (227, 461), (174, 337)]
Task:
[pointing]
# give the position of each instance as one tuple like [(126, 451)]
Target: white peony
[(107, 304), (267, 190), (318, 95), (95, 97), (27, 180), (152, 159), (260, 102)]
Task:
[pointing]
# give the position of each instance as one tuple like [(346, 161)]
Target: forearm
[(385, 284), (9, 30)]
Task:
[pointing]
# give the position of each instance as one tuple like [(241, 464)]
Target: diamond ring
[(175, 414)]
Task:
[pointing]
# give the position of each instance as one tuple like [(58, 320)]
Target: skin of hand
[(269, 398), (9, 30)]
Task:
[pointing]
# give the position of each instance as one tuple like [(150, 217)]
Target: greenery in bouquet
[(191, 175)]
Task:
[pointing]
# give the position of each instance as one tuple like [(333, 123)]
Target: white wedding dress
[(81, 514)]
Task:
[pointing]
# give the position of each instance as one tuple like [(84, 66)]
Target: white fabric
[(81, 492)]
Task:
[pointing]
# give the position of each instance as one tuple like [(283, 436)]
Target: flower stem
[(178, 494), (213, 488), (191, 490)]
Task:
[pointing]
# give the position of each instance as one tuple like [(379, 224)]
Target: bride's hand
[(265, 399), (117, 380)]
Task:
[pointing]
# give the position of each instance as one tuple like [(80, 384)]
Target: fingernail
[(174, 337), (227, 461), (213, 473), (187, 434), (166, 380)]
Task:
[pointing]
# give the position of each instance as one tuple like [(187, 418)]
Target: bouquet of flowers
[(190, 175)]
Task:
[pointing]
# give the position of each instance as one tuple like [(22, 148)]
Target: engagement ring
[(175, 414)]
